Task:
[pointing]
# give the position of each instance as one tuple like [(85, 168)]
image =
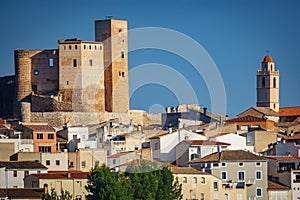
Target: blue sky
[(236, 34)]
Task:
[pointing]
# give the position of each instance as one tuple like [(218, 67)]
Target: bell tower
[(268, 85)]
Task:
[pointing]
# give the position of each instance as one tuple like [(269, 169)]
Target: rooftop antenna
[(109, 17)]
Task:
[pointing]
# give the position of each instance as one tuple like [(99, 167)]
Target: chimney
[(204, 111)]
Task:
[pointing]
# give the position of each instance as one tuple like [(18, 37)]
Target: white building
[(12, 173), (163, 145)]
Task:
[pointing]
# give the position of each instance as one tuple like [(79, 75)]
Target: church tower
[(268, 85)]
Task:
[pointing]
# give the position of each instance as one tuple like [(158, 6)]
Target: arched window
[(271, 67), (263, 82), (274, 82)]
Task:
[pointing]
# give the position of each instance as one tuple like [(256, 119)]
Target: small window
[(74, 63), (100, 48), (97, 163), (75, 46), (50, 62), (83, 164), (57, 162), (184, 179), (274, 82), (48, 162), (224, 175), (91, 62), (202, 196), (26, 173), (274, 106), (84, 46), (50, 136), (90, 47), (241, 176), (216, 185), (122, 54), (223, 164), (123, 74), (64, 47), (40, 136), (202, 179), (215, 164), (120, 30), (194, 179), (70, 47), (241, 164), (36, 72), (67, 82), (95, 47), (114, 161), (15, 173), (258, 175), (258, 164), (258, 192)]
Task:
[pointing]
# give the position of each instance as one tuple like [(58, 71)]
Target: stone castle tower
[(268, 85), (113, 34), (91, 76)]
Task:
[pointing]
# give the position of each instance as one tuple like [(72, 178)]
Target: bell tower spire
[(268, 85)]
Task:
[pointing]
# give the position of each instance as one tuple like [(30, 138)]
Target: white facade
[(163, 148), (78, 138), (236, 142), (14, 178), (23, 145), (55, 161)]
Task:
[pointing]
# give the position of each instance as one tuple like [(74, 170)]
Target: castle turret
[(268, 85), (22, 80)]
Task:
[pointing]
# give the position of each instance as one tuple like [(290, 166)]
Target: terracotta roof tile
[(266, 111), (186, 170), (229, 155), (282, 158), (289, 111), (205, 142), (293, 137), (22, 193), (60, 175), (40, 128), (247, 118), (119, 154), (22, 165), (277, 186)]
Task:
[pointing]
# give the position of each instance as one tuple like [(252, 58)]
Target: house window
[(224, 175), (258, 175), (223, 164), (26, 173), (57, 162), (84, 46), (95, 47), (241, 164), (91, 62), (83, 164), (122, 54), (50, 136), (123, 74), (274, 82), (47, 162), (50, 62), (202, 179), (202, 196), (15, 173), (194, 179), (194, 197), (258, 192), (100, 48), (215, 185), (263, 82), (40, 136), (215, 164), (241, 176), (258, 164), (44, 149), (70, 47), (97, 163), (184, 179), (90, 47), (67, 82), (75, 46), (74, 63), (114, 161)]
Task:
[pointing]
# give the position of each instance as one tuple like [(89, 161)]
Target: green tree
[(106, 185), (65, 195)]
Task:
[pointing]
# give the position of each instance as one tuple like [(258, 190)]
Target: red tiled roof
[(119, 154), (186, 170), (289, 111), (247, 118), (268, 58), (206, 142), (40, 128), (66, 175), (282, 158), (293, 137)]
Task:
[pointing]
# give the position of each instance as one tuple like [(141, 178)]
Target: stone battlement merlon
[(77, 41)]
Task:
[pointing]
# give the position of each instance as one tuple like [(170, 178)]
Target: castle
[(79, 76)]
